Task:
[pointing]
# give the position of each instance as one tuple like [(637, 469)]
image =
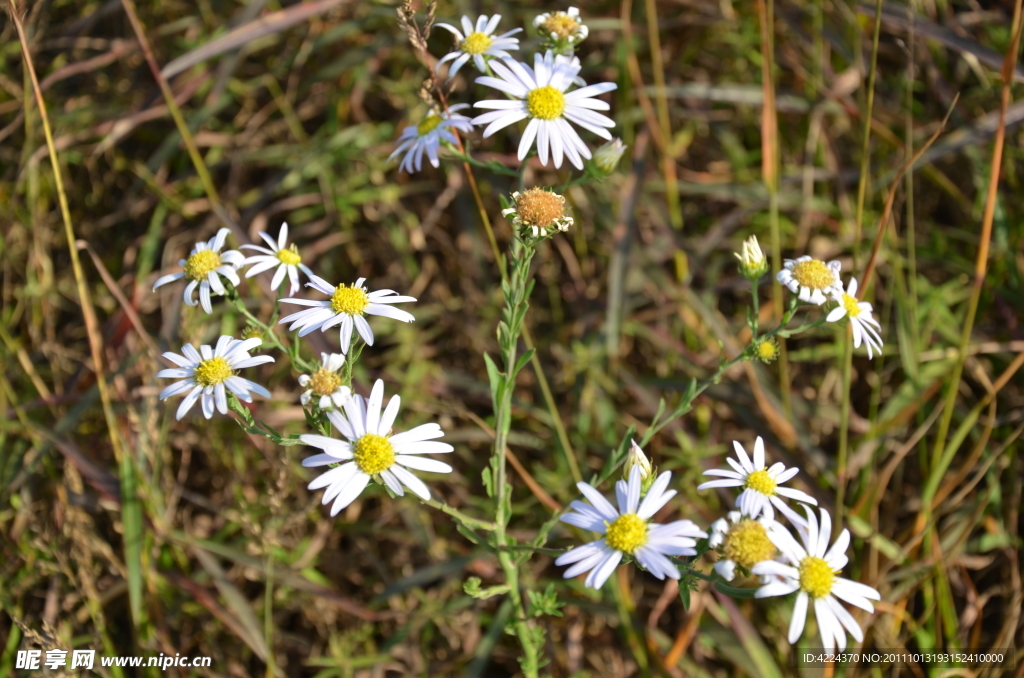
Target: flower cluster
[(816, 282), (209, 375), (748, 540), (549, 95)]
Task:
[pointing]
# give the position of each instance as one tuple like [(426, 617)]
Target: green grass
[(222, 550)]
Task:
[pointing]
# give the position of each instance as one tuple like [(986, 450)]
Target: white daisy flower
[(539, 94), (628, 531), (287, 259), (203, 268), (372, 452), (865, 327), (347, 307), (743, 541), (812, 571), (427, 136), (478, 44), (812, 280), (761, 486), (562, 27), (325, 384), (208, 374)]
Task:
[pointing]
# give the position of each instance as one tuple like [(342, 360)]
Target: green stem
[(517, 288), (468, 521)]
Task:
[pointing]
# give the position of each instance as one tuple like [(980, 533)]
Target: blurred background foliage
[(200, 540)]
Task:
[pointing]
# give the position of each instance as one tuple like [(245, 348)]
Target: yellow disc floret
[(324, 382), (816, 577), (561, 25), (546, 103), (767, 350), (373, 454), (428, 125), (760, 481), (748, 544), (476, 43), (290, 256), (627, 533), (351, 300), (814, 274), (201, 264), (212, 372), (850, 304)]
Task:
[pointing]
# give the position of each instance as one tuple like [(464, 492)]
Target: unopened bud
[(606, 158), (637, 459), (752, 262), (766, 350)]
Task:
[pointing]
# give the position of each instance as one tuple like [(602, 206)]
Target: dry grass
[(640, 297)]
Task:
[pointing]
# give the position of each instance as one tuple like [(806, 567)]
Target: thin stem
[(468, 521)]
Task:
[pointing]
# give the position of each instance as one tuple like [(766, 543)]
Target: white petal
[(417, 486), (796, 624), (350, 492), (423, 464)]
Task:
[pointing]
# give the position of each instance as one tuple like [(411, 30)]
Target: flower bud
[(636, 458), (752, 261), (766, 350), (606, 158)]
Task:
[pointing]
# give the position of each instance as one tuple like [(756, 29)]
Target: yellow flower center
[(748, 544), (760, 481), (546, 103), (816, 577), (627, 533), (212, 372), (850, 304), (351, 300), (561, 24), (290, 256), (373, 454), (766, 350), (201, 264), (814, 274), (428, 125), (476, 43), (324, 382)]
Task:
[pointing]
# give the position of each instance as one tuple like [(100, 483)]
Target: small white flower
[(427, 137), (812, 571), (628, 531), (812, 280), (761, 486), (372, 452), (325, 384), (287, 259), (539, 93), (209, 373), (562, 27), (744, 541), (347, 307), (203, 268), (478, 44), (865, 327)]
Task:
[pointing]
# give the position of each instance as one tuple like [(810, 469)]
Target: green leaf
[(526, 357), (496, 378)]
